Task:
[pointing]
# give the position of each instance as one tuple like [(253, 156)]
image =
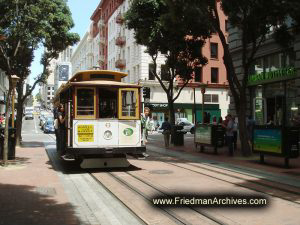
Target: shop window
[(214, 50), (85, 102), (128, 103), (214, 75), (151, 72), (198, 74)]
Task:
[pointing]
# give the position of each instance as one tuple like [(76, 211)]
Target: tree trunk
[(7, 114), (243, 132), (171, 118), (19, 120)]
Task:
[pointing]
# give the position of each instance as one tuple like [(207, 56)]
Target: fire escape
[(120, 42), (101, 43)]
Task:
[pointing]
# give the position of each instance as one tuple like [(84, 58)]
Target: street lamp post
[(14, 80), (203, 86)]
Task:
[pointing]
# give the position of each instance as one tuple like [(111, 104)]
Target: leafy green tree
[(26, 26), (254, 20), (158, 28)]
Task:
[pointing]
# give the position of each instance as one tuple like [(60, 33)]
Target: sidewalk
[(31, 192), (272, 164)]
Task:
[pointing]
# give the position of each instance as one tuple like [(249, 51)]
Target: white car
[(187, 127)]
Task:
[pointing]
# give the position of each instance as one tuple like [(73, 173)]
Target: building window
[(215, 98), (211, 98), (49, 92), (207, 98), (49, 88), (151, 72), (198, 74), (48, 98), (164, 73), (214, 75), (214, 50)]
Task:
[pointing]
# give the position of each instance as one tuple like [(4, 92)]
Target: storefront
[(275, 105), (160, 110), (274, 90)]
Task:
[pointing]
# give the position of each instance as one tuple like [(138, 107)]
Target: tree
[(27, 25), (253, 18), (158, 28)]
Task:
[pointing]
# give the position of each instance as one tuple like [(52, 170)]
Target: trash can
[(11, 143), (178, 136)]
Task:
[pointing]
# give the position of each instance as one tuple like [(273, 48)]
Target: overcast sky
[(81, 13)]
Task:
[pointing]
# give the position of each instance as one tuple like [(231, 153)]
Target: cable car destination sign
[(271, 76)]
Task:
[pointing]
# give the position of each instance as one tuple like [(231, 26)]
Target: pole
[(194, 108), (202, 107), (13, 108)]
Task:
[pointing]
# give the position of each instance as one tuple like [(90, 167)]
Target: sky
[(81, 13)]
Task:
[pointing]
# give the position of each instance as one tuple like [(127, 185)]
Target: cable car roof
[(103, 83), (101, 74)]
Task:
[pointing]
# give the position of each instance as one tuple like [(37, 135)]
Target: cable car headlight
[(107, 135)]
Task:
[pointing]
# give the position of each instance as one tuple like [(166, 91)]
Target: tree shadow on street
[(22, 204)]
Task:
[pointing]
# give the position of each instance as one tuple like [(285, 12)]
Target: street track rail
[(265, 183), (168, 212)]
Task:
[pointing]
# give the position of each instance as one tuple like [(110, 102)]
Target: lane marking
[(35, 125)]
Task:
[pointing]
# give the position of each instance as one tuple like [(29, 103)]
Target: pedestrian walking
[(229, 133), (146, 124), (166, 127)]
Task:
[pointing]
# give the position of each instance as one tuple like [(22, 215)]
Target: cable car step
[(89, 163)]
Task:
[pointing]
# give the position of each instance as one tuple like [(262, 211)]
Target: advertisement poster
[(63, 73), (203, 134), (267, 140), (85, 133)]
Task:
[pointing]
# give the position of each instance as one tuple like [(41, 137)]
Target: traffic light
[(146, 92)]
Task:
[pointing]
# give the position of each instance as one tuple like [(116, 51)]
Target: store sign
[(159, 105), (203, 134), (276, 75), (267, 140), (85, 133)]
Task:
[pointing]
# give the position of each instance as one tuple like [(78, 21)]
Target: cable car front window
[(85, 102), (128, 103)]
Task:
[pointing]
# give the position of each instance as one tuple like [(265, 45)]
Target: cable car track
[(166, 211), (240, 178)]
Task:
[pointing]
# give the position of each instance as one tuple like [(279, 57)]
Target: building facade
[(109, 45), (273, 91)]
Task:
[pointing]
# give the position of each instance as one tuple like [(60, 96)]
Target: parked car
[(28, 115), (187, 125), (49, 126), (44, 118)]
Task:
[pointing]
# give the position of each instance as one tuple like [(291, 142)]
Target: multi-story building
[(60, 72), (125, 55), (110, 45)]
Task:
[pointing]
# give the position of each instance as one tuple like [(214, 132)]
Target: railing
[(120, 63), (120, 40), (119, 19)]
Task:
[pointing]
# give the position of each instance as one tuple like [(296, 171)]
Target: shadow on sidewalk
[(21, 204), (32, 144)]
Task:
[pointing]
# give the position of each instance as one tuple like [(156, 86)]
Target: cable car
[(103, 118)]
